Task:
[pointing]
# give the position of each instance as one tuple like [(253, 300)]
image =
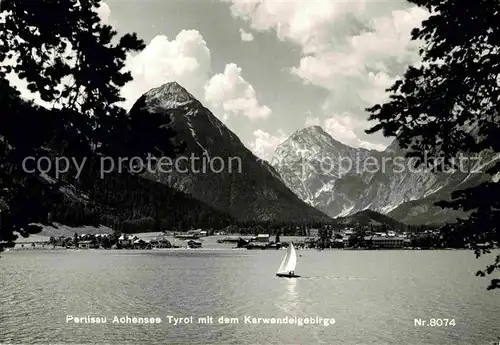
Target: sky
[(268, 68)]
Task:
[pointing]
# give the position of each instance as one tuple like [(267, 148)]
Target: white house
[(262, 238)]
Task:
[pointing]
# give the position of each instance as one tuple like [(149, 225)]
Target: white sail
[(289, 261)]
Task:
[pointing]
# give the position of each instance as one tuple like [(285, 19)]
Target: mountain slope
[(131, 203), (368, 217), (216, 167), (118, 199)]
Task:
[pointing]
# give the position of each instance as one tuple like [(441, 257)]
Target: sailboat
[(287, 267)]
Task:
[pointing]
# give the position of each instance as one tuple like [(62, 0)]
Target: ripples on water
[(374, 296)]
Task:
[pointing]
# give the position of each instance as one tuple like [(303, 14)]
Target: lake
[(374, 297)]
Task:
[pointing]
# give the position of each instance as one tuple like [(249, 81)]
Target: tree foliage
[(450, 105), (75, 64), (133, 204)]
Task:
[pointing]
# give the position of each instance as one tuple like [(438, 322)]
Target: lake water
[(374, 297)]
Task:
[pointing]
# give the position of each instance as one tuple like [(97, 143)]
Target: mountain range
[(234, 187), (341, 180), (216, 181), (225, 174)]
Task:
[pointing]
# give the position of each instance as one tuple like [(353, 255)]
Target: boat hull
[(287, 275)]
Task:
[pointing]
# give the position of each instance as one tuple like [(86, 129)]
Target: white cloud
[(355, 49), (343, 128), (372, 146), (375, 92), (185, 59), (229, 93), (298, 21), (104, 12), (22, 86), (312, 121), (264, 144), (246, 36), (384, 48), (341, 131)]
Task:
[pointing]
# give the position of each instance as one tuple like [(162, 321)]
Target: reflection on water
[(289, 302), (292, 295), (339, 278), (292, 284)]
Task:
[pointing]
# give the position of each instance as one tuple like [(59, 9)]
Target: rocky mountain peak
[(311, 143), (309, 131), (170, 95), (313, 129), (341, 180), (225, 175), (313, 136)]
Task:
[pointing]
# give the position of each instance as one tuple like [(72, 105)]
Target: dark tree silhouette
[(24, 198), (450, 105), (76, 65), (325, 235)]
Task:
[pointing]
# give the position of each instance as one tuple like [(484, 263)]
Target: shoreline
[(225, 248), (208, 243)]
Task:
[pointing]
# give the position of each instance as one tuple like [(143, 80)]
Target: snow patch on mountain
[(169, 96), (191, 113), (314, 166), (346, 211)]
